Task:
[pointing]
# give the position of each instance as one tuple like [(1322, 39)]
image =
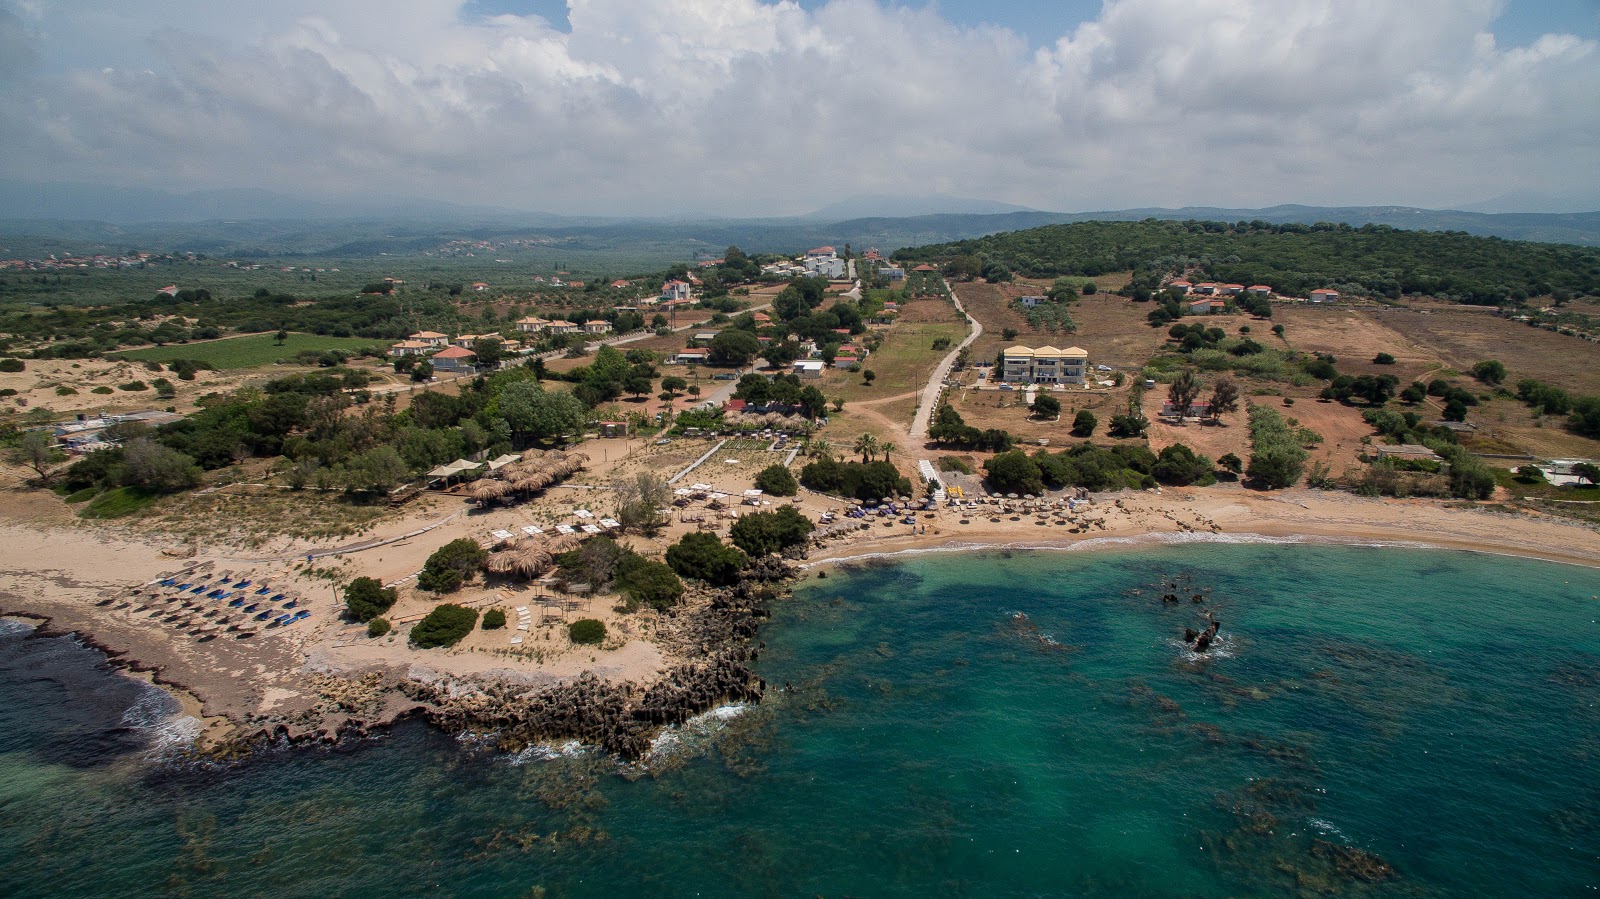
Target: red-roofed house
[(454, 359), (1258, 290), (1181, 285), (820, 253), (480, 286)]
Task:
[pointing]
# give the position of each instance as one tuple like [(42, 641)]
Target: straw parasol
[(488, 490)]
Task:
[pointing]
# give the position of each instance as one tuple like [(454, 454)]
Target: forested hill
[(1372, 260)]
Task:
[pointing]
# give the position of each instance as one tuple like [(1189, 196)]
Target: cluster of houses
[(443, 352), (1214, 291), (1045, 365)]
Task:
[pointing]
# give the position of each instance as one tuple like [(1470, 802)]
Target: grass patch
[(248, 352), (82, 496), (118, 503)]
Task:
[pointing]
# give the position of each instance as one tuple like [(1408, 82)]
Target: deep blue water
[(1436, 713)]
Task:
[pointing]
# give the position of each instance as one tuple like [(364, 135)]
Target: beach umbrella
[(500, 563), (488, 491)]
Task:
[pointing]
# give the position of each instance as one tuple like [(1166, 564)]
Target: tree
[(1224, 398), (887, 447), (490, 351), (638, 385), (1455, 410), (1177, 464), (867, 446), (640, 500), (444, 626), (868, 376), (1008, 334), (703, 557), (281, 337), (1490, 372), (734, 348), (366, 598), (1587, 471), (1277, 466), (1383, 359), (152, 466), (674, 385), (1231, 463), (781, 353), (36, 450), (777, 480), (1046, 407), (494, 619), (450, 566), (1084, 423), (422, 371), (1014, 472), (1182, 392), (534, 413), (770, 532), (1127, 426)]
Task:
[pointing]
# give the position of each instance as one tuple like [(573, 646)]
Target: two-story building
[(1045, 365)]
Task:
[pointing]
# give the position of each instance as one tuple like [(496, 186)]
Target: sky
[(757, 107)]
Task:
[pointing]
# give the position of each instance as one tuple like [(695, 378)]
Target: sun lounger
[(291, 604), (263, 589), (532, 530), (523, 626), (516, 641)]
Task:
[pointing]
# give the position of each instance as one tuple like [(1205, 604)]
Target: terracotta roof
[(455, 352)]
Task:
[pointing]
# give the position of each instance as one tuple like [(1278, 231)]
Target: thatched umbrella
[(489, 490), (500, 563), (531, 563)]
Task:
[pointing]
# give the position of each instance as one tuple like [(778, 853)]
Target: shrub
[(64, 390), (494, 619), (586, 632), (871, 481), (133, 386), (1182, 466), (1278, 459), (1014, 472), (450, 566), (366, 598), (1383, 359), (647, 582), (1084, 423), (102, 389), (1046, 407), (769, 532), (444, 626), (777, 480), (377, 627), (702, 556), (12, 365), (954, 463)]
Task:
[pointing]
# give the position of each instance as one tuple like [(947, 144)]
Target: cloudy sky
[(746, 107)]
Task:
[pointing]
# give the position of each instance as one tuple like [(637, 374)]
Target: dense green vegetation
[(252, 350), (857, 480), (587, 632), (366, 598), (1085, 465), (451, 565), (606, 565), (444, 626), (494, 619), (1293, 259), (1278, 459), (777, 480), (770, 532), (703, 557)]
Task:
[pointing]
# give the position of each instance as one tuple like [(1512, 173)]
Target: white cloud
[(746, 107)]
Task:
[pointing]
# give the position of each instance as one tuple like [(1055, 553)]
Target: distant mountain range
[(35, 219)]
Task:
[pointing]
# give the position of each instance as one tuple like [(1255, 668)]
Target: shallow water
[(1434, 712)]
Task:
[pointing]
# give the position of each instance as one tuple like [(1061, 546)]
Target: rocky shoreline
[(714, 630)]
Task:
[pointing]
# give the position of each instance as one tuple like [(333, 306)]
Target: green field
[(248, 352)]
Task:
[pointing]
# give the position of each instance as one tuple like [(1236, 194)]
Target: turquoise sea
[(1376, 721)]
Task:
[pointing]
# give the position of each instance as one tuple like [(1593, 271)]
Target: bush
[(1047, 407), (870, 481), (954, 463), (777, 480), (102, 389), (494, 619), (365, 598), (1182, 466), (646, 582), (1383, 359), (64, 390), (444, 626), (1014, 472), (133, 386), (586, 632), (377, 627), (450, 566), (12, 365), (1084, 423), (770, 532), (703, 557)]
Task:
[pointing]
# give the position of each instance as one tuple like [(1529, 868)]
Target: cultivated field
[(250, 351)]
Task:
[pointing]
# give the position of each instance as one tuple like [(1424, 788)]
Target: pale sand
[(57, 568)]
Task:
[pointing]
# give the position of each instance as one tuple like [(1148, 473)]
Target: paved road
[(924, 416)]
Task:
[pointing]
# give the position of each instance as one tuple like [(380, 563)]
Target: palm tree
[(886, 448), (818, 448), (866, 445)]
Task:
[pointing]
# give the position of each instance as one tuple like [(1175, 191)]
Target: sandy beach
[(64, 570)]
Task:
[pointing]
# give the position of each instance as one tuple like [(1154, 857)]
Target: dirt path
[(924, 416)]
